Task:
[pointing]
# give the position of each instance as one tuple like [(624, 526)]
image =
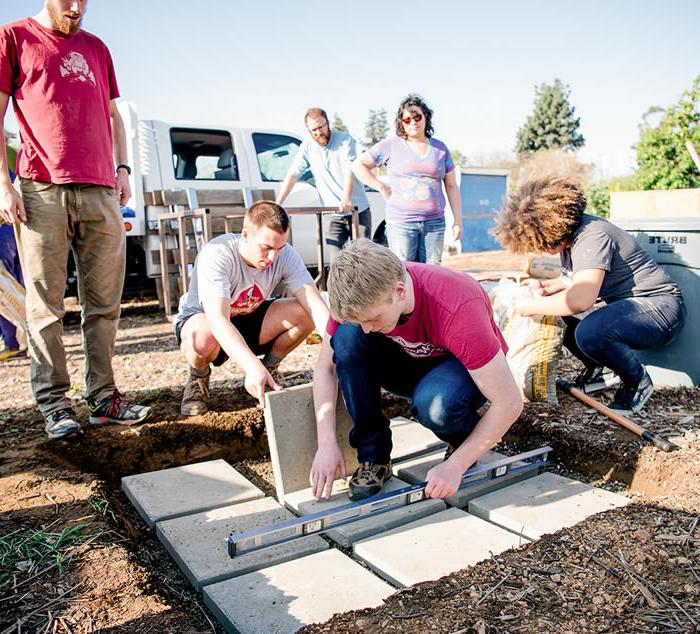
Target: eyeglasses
[(415, 116)]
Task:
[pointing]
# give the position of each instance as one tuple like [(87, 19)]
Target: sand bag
[(12, 304), (534, 344)]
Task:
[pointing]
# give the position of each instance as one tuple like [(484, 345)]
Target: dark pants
[(444, 396), (608, 335), (10, 258), (338, 231)]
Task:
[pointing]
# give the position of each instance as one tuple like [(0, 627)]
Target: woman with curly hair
[(642, 307), (418, 165)]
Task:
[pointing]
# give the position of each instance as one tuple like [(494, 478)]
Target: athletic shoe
[(12, 353), (62, 424), (116, 409), (368, 480), (196, 396), (629, 399), (596, 378)]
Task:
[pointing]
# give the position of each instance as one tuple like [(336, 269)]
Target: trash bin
[(482, 191), (675, 245)]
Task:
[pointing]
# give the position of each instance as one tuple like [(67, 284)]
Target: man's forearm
[(233, 343), (325, 391), (286, 187)]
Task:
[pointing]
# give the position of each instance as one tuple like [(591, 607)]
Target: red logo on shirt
[(247, 301)]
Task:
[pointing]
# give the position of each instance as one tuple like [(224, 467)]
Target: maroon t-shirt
[(452, 314), (61, 87)]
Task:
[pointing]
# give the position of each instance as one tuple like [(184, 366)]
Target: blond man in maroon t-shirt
[(72, 177), (421, 331)]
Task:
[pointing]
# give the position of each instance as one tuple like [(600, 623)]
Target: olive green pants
[(85, 219)]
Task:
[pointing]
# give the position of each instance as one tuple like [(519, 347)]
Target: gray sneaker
[(62, 424), (116, 409), (196, 396)]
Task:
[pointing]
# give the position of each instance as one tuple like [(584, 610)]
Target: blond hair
[(363, 274), (540, 216)]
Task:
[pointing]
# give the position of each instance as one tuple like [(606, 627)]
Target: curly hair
[(414, 100), (540, 216)]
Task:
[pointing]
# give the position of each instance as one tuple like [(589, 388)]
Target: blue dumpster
[(483, 191), (675, 244)]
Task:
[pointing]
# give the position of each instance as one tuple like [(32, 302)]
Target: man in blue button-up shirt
[(329, 154)]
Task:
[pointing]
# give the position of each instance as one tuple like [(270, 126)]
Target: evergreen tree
[(553, 122), (376, 127), (459, 159), (338, 123), (663, 159)]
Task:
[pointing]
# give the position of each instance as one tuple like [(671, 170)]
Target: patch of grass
[(29, 552), (101, 506)]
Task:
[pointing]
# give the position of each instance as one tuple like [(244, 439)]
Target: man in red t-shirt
[(62, 83), (421, 331)]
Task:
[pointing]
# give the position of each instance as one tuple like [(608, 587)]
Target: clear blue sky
[(476, 63)]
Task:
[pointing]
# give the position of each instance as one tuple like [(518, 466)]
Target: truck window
[(203, 155), (275, 154)]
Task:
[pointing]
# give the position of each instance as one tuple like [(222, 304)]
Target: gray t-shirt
[(630, 271), (329, 166), (221, 273)]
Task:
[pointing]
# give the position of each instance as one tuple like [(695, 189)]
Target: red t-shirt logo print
[(247, 301)]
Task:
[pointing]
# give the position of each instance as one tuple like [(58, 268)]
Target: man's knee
[(447, 408), (197, 336)]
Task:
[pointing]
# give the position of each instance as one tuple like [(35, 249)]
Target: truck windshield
[(203, 154), (275, 154)]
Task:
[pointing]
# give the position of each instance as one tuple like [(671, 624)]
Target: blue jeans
[(10, 258), (420, 241), (338, 231), (608, 335), (443, 394)]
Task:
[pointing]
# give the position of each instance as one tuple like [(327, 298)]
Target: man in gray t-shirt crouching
[(227, 312)]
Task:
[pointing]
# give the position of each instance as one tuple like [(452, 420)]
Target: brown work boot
[(194, 400), (368, 480)]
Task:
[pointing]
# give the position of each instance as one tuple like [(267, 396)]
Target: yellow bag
[(534, 344)]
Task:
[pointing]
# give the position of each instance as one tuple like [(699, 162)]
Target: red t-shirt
[(61, 86), (452, 314)]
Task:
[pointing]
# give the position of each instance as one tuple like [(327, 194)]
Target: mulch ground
[(75, 556)]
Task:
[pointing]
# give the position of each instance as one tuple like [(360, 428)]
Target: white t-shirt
[(221, 273)]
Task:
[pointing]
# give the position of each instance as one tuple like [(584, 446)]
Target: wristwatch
[(123, 166)]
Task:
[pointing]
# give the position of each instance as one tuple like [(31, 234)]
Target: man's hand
[(11, 205), (327, 462), (256, 379), (385, 191), (123, 188), (443, 480), (345, 206)]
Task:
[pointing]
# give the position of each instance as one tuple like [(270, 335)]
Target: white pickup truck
[(166, 156)]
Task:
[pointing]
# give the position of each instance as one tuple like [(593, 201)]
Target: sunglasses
[(416, 116)]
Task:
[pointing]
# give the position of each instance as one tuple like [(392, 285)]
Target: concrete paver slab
[(410, 438), (168, 493), (434, 546), (198, 542), (303, 503), (416, 470), (284, 598), (544, 504), (291, 431)]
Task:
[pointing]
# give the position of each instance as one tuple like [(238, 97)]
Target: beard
[(63, 24), (323, 139)]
